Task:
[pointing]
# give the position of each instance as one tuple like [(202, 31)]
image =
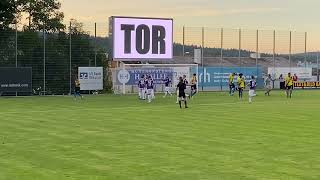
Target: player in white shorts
[(167, 84), (150, 89), (268, 85), (252, 86), (142, 86)]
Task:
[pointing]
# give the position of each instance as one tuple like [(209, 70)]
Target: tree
[(8, 11), (43, 14)]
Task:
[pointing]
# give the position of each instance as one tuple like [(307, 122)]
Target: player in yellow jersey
[(231, 84), (194, 82), (289, 85), (241, 85)]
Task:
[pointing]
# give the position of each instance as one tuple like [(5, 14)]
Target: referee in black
[(182, 95)]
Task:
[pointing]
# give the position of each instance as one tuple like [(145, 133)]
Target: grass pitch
[(119, 137)]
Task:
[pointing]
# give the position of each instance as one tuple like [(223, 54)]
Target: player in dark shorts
[(77, 89), (194, 82), (289, 85), (182, 95)]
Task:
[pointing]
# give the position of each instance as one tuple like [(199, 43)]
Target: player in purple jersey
[(145, 83), (154, 86), (150, 90), (142, 86), (167, 84), (252, 86)]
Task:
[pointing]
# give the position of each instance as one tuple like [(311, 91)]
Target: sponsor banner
[(314, 84), (133, 75), (301, 72), (91, 78), (179, 72), (142, 38), (15, 79), (219, 76)]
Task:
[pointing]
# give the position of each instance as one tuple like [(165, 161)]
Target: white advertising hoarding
[(301, 72), (91, 78), (142, 38), (180, 72)]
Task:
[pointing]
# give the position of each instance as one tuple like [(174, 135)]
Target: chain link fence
[(55, 56)]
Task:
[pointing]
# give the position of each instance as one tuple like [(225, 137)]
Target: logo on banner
[(123, 76), (84, 75)]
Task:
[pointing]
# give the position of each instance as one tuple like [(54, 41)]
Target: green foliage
[(8, 10), (43, 14)]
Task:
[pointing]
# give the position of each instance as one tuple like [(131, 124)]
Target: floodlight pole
[(257, 52), (44, 60), (317, 65), (16, 50), (183, 40), (274, 51), (95, 44), (274, 57), (202, 59), (70, 59), (221, 56), (290, 49), (240, 48), (305, 49)]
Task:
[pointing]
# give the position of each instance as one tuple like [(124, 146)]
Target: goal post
[(125, 78)]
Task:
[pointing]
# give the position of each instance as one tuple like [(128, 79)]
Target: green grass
[(118, 137)]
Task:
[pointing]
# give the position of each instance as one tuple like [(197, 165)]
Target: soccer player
[(186, 82), (167, 84), (194, 85), (150, 90), (231, 84), (142, 86), (252, 86), (267, 84), (289, 85), (182, 95), (145, 84), (77, 89), (241, 85)]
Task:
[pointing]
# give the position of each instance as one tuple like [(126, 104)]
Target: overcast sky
[(296, 15)]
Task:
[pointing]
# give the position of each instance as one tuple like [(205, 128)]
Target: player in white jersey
[(252, 86), (268, 85), (150, 89), (142, 86)]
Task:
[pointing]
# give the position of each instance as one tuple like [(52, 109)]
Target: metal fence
[(55, 56), (242, 47)]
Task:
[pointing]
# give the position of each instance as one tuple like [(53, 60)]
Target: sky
[(281, 15)]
